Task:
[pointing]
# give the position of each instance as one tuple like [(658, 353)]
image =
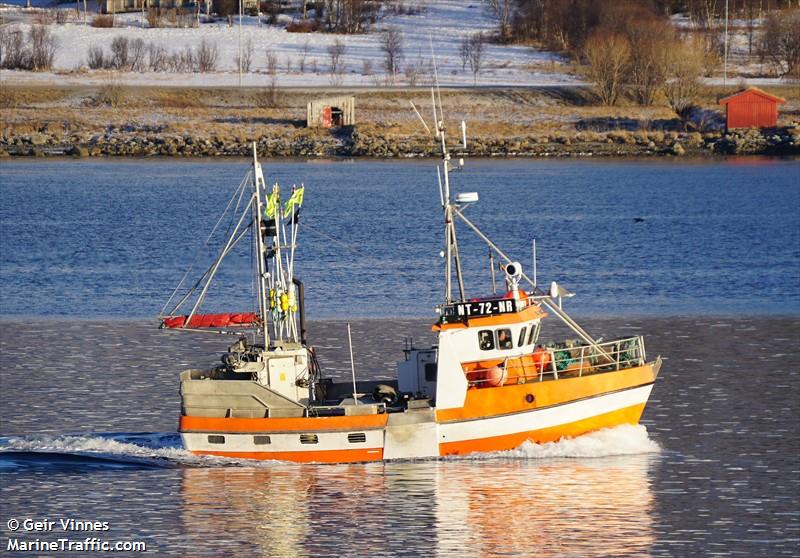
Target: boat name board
[(462, 311)]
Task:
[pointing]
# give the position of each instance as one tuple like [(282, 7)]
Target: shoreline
[(122, 121), (351, 144)]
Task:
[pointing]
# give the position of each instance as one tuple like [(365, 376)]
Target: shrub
[(157, 56), (607, 55), (138, 55), (119, 52), (207, 54), (17, 55), (43, 48), (247, 57), (95, 58), (392, 48), (103, 21), (303, 26), (153, 18), (780, 42), (44, 17), (111, 93)]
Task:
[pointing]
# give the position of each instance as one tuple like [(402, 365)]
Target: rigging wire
[(238, 190)]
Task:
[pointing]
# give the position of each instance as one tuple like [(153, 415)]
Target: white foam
[(621, 440), (100, 446), (158, 447)]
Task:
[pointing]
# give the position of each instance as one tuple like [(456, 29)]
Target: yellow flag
[(273, 203), (295, 200)]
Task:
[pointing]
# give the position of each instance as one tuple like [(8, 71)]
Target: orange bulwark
[(272, 425)]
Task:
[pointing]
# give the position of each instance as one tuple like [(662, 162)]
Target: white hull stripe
[(514, 413), (547, 417)]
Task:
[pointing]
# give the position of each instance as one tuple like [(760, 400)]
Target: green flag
[(295, 200), (273, 203)]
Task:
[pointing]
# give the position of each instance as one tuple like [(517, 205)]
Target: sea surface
[(701, 257)]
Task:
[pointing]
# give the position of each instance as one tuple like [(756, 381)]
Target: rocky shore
[(350, 142)]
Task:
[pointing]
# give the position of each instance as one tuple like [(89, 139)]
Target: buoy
[(494, 377), (541, 358)]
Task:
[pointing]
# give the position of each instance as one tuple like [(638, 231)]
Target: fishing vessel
[(487, 384)]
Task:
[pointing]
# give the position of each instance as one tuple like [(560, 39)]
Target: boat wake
[(164, 450), (626, 439), (96, 451)]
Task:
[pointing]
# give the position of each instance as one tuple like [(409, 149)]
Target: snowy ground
[(443, 22)]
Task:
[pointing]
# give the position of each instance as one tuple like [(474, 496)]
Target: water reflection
[(585, 507)]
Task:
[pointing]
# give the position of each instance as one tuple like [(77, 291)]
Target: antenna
[(436, 77), (435, 118), (533, 248), (419, 116), (352, 364)]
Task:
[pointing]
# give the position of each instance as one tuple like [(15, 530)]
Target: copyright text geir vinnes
[(64, 535)]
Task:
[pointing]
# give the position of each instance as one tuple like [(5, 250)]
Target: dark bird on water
[(638, 219)]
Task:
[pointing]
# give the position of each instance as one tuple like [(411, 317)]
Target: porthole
[(216, 439), (309, 439), (262, 440)]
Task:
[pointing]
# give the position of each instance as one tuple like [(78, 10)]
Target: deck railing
[(562, 361)]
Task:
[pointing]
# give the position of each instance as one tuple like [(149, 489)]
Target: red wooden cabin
[(751, 108)]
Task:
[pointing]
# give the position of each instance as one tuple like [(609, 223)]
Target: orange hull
[(491, 419)]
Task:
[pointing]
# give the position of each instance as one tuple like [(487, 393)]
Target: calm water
[(88, 405), (110, 238)]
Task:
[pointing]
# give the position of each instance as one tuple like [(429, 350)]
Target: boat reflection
[(488, 507)]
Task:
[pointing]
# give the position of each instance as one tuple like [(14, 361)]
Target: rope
[(238, 190)]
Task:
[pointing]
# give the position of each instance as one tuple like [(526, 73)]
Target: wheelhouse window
[(534, 335), (521, 340), (486, 339), (504, 340)]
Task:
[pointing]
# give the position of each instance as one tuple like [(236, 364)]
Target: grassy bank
[(141, 121)]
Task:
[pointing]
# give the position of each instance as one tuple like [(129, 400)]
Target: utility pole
[(725, 63), (241, 4)]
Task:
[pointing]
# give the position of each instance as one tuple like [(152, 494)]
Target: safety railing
[(561, 359)]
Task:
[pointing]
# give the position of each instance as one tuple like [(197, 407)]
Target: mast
[(261, 262), (450, 241)]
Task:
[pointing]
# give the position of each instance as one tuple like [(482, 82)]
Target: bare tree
[(650, 43), (503, 12), (271, 98), (207, 54), (684, 69), (95, 58), (350, 16), (247, 56), (463, 51), (119, 52), (476, 55), (779, 45), (335, 53), (607, 55), (15, 52), (137, 55), (303, 54), (392, 48), (43, 48)]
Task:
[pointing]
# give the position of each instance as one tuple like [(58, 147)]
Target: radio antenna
[(436, 81), (419, 116)]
